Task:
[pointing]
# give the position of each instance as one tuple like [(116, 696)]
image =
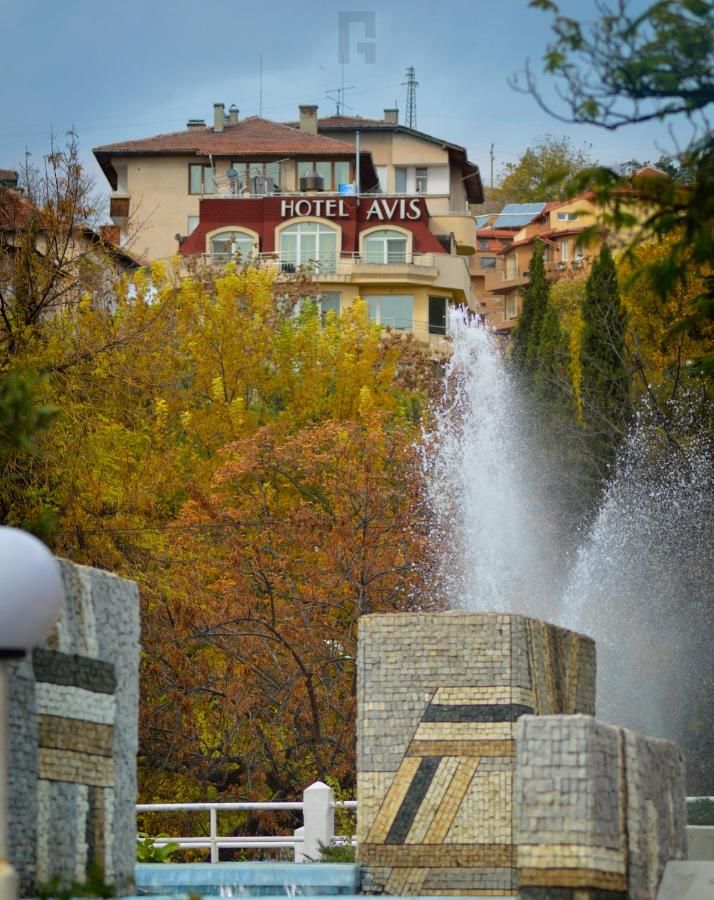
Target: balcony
[(461, 226), (119, 208), (363, 267)]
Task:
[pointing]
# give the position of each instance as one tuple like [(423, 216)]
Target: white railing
[(343, 264), (318, 806)]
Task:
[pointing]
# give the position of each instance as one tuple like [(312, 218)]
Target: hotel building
[(364, 207)]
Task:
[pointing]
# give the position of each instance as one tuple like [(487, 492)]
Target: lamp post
[(31, 595)]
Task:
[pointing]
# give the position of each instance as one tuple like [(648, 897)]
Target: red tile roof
[(247, 138), (8, 175), (253, 137)]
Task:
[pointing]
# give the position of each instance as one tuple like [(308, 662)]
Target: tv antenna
[(339, 99), (411, 83)]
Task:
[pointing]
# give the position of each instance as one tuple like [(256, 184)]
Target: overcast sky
[(134, 68)]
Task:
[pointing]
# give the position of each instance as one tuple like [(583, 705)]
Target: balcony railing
[(326, 264)]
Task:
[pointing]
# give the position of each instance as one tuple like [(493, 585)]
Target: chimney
[(233, 115), (391, 116), (308, 119), (219, 116), (196, 123)]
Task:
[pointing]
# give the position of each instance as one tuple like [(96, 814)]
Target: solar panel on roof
[(482, 221), (515, 215)]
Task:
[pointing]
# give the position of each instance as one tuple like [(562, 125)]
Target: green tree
[(634, 65), (605, 385), (544, 171), (552, 377), (526, 337)]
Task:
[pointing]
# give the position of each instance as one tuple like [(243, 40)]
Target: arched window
[(232, 245), (385, 246), (308, 244)]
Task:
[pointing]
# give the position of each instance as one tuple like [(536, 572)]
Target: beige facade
[(163, 185)]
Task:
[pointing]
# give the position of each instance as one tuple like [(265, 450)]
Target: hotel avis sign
[(380, 209)]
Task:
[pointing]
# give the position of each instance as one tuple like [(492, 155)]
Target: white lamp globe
[(31, 591)]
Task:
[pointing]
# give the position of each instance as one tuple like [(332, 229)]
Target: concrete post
[(319, 818)]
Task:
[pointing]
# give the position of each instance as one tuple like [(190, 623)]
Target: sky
[(135, 68)]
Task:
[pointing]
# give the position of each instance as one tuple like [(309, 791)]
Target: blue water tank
[(350, 189)]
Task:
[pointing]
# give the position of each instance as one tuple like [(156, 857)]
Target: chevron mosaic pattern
[(438, 699)]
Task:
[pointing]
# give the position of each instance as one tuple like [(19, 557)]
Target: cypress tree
[(605, 375), (551, 376), (526, 337)]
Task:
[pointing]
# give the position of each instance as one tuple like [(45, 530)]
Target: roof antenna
[(340, 91), (411, 83), (260, 88)]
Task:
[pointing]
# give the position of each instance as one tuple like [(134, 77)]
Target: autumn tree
[(544, 171), (298, 536)]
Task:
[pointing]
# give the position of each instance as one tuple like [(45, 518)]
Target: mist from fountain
[(638, 579)]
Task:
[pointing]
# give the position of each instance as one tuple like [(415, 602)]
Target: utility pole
[(411, 83), (492, 158)]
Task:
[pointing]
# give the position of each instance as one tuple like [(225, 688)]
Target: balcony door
[(385, 246), (309, 245)]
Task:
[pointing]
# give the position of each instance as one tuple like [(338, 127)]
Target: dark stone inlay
[(412, 800), (72, 670), (475, 712)]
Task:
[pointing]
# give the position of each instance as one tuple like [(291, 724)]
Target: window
[(191, 224), (437, 315), (382, 177), (333, 173), (400, 180), (567, 216), (483, 243), (330, 301), (512, 266), (512, 305), (487, 262), (327, 301), (421, 180), (200, 180), (310, 244), (255, 177), (385, 246), (229, 245), (564, 250), (394, 310)]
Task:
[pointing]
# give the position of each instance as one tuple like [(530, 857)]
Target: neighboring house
[(559, 227), (291, 198), (71, 260), (495, 232)]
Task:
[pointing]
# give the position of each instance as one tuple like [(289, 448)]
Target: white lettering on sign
[(384, 209), (332, 209), (399, 208)]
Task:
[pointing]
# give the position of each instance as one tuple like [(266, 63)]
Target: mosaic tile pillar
[(73, 739), (600, 810), (438, 696)]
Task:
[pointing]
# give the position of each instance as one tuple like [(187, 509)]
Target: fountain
[(467, 781), (638, 580)]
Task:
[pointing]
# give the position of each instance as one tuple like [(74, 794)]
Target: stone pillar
[(600, 809), (438, 699), (74, 706)]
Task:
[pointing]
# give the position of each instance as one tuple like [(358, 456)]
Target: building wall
[(599, 809), (160, 203), (438, 696), (73, 739)]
